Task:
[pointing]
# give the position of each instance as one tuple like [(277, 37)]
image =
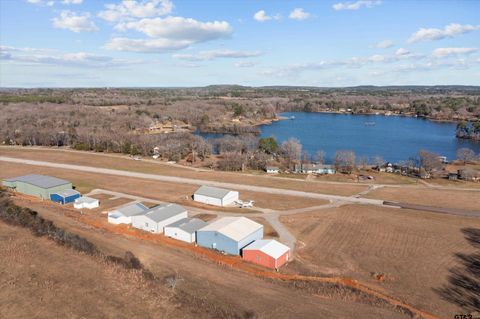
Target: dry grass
[(205, 217), (414, 250), (468, 200), (268, 230), (121, 162)]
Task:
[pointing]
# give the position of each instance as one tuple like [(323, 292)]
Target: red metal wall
[(260, 258)]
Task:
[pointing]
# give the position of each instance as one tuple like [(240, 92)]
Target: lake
[(395, 138)]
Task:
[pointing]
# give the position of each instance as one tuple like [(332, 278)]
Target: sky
[(171, 43)]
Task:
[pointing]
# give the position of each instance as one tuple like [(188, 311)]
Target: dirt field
[(414, 250), (468, 200), (268, 231), (234, 290), (123, 163), (168, 192)]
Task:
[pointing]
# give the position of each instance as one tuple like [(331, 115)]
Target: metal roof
[(272, 168), (67, 193), (85, 199), (236, 228), (270, 247), (132, 209), (42, 181), (189, 225), (214, 192), (162, 212)]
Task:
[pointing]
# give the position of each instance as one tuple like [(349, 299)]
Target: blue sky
[(152, 43)]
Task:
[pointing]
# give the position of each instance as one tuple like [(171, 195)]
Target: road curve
[(183, 180)]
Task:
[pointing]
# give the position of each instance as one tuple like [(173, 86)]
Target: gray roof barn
[(189, 225), (214, 192), (42, 181), (162, 212), (67, 192), (132, 209)]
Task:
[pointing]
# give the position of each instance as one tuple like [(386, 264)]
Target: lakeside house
[(272, 169), (321, 169)]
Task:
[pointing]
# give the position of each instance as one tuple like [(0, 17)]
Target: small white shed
[(124, 214), (215, 196), (86, 202), (156, 218), (184, 229)]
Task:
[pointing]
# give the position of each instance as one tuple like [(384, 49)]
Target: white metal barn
[(86, 202), (124, 214), (215, 196), (184, 229), (156, 218)]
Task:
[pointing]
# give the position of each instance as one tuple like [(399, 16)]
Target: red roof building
[(267, 252)]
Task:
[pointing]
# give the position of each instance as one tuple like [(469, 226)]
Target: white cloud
[(450, 31), (299, 14), (446, 52), (385, 44), (261, 16), (245, 64), (377, 58), (214, 54), (34, 1), (130, 9), (72, 1), (75, 22), (179, 28), (53, 57), (402, 52), (356, 5), (147, 45)]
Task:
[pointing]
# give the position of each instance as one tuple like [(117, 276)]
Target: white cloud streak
[(131, 9), (215, 54), (356, 5), (447, 52), (74, 22), (299, 14), (449, 31), (261, 16), (385, 44)]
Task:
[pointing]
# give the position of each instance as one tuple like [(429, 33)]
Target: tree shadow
[(463, 287)]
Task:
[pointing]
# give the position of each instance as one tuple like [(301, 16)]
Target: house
[(124, 214), (469, 174), (453, 176), (215, 196), (272, 169), (40, 186), (267, 252), (184, 229), (64, 197), (229, 234), (86, 202), (156, 218), (314, 169)]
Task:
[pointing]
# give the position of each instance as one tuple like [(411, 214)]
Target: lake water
[(395, 138)]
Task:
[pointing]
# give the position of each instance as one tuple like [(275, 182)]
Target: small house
[(267, 252), (64, 197), (86, 202), (184, 229), (215, 196), (156, 218), (124, 214), (315, 169), (229, 234), (272, 170), (453, 176)]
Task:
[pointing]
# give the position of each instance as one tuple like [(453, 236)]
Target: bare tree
[(345, 161), (378, 161), (429, 161), (292, 150), (465, 155), (363, 161), (320, 157)]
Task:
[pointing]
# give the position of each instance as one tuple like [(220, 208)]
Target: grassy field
[(469, 200), (415, 251), (124, 163)]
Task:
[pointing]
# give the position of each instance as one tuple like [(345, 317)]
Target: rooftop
[(42, 181), (236, 228), (212, 192), (85, 199), (132, 209), (270, 247), (189, 225), (162, 212), (67, 193)]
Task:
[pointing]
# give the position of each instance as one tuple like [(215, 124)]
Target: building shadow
[(463, 287)]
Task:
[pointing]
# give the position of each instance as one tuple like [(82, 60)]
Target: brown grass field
[(468, 200), (415, 251), (123, 163)]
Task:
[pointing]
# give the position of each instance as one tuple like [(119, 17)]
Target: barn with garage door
[(40, 186), (65, 196), (184, 229), (267, 252)]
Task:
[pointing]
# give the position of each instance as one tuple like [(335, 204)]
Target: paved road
[(183, 180), (441, 210)]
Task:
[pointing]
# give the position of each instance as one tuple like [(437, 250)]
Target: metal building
[(215, 196), (65, 196), (267, 252), (123, 215), (156, 218), (184, 229), (40, 186), (229, 234)]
